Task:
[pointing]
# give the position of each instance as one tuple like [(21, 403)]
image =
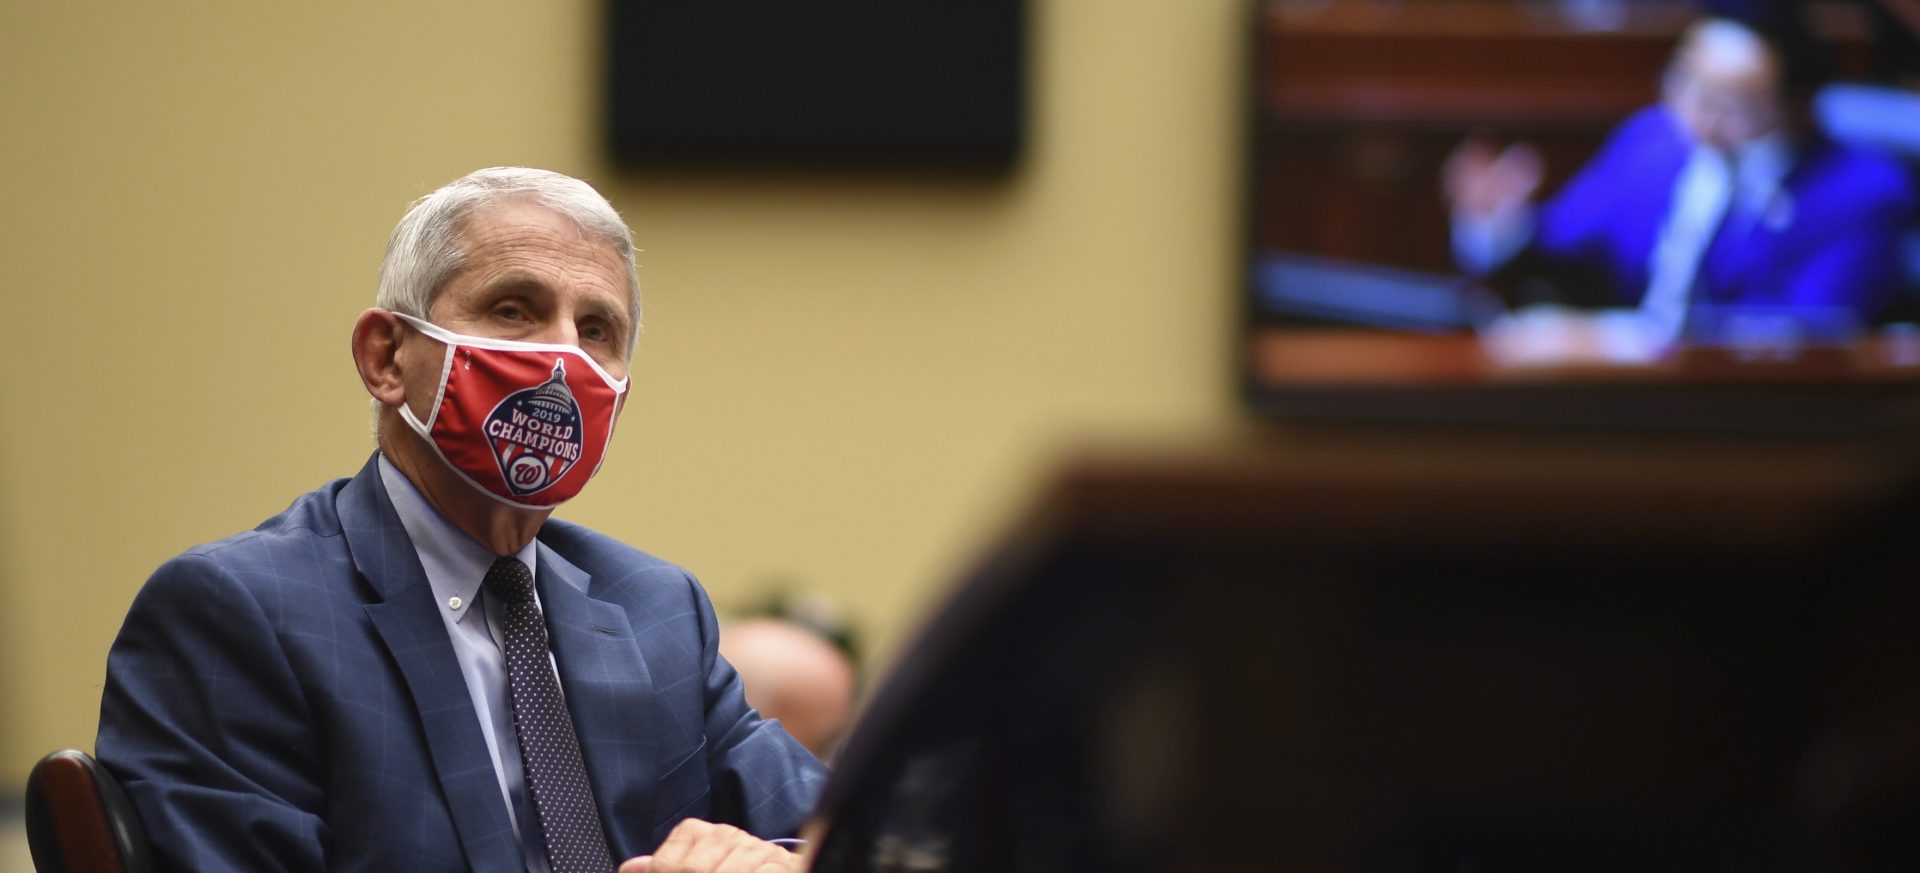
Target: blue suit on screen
[(1829, 236), (289, 699)]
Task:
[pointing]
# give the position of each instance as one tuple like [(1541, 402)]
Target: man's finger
[(672, 854), (711, 850), (1522, 162), (761, 857)]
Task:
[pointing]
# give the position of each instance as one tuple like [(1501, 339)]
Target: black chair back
[(79, 821)]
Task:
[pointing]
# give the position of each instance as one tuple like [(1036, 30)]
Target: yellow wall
[(847, 383)]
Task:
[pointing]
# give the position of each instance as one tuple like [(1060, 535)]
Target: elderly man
[(1717, 198), (416, 668)]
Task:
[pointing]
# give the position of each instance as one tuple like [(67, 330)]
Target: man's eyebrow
[(612, 310), (515, 280)]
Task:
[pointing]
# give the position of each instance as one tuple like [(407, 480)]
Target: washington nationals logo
[(536, 434)]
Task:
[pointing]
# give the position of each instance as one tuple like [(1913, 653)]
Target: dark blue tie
[(549, 748)]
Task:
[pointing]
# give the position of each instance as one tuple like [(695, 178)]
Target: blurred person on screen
[(1720, 196)]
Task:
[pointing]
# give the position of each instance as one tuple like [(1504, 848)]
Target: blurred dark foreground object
[(1383, 653)]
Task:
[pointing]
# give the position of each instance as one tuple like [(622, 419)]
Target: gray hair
[(429, 245)]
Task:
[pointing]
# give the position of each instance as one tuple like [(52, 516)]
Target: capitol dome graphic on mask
[(536, 434)]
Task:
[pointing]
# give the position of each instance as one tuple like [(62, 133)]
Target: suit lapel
[(1756, 237), (1743, 247), (603, 675), (409, 623), (1720, 264)]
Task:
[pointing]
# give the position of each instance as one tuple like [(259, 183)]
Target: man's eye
[(508, 311), (595, 333)]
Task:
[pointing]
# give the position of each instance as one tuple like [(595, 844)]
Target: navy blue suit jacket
[(1831, 237), (288, 699)]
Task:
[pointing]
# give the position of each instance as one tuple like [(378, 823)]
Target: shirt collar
[(455, 564), (1766, 160), (1759, 167)]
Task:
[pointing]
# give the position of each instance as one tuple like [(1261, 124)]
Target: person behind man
[(416, 668), (1717, 197), (796, 672)]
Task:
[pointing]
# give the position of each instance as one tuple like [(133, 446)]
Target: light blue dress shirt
[(455, 565)]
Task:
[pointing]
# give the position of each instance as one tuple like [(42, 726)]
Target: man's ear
[(376, 354)]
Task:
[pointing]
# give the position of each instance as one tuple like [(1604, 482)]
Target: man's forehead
[(493, 236), (500, 231), (522, 214), (1728, 52)]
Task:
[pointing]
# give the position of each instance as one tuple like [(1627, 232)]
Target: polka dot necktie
[(549, 749)]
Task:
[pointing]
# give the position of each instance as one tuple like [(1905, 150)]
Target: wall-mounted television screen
[(1645, 212), (890, 83)]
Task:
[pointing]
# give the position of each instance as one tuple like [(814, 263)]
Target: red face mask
[(526, 423)]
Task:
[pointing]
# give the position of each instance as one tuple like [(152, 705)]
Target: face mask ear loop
[(432, 332), (613, 418), (424, 430)]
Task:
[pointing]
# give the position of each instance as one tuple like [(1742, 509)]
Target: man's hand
[(697, 846), (1483, 182)]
